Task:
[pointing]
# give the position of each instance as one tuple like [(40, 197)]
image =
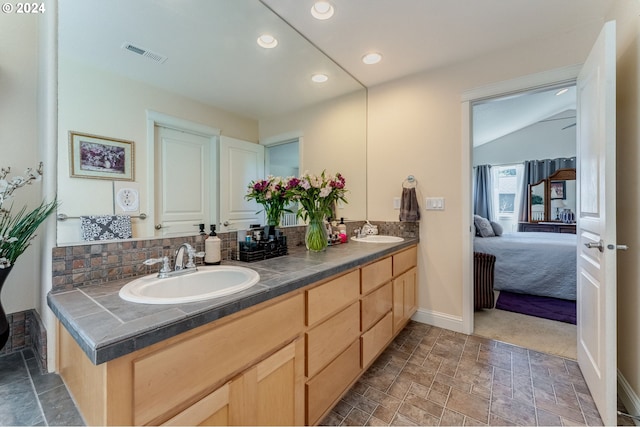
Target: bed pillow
[(483, 226), (497, 228)]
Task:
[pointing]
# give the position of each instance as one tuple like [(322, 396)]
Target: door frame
[(155, 118), (557, 76)]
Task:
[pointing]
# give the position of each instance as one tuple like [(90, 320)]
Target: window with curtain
[(507, 182)]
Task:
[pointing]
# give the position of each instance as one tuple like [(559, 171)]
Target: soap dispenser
[(212, 247)]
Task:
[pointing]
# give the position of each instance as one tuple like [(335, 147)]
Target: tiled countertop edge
[(100, 352)]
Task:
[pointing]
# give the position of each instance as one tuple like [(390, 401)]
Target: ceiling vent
[(144, 52)]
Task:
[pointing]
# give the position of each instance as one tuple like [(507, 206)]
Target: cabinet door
[(404, 298), (410, 293), (212, 410), (398, 302), (271, 392)]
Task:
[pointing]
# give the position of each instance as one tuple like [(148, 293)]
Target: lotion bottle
[(342, 231), (212, 247), (342, 228)]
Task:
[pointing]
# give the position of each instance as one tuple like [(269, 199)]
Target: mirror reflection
[(537, 197), (126, 68)]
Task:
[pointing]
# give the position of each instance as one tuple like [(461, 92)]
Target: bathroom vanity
[(281, 353)]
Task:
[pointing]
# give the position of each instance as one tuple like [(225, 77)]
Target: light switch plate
[(396, 203), (434, 203)]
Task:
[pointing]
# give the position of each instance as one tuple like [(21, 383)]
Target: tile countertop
[(107, 327)]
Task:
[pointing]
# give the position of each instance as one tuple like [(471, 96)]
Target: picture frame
[(100, 157), (558, 190)]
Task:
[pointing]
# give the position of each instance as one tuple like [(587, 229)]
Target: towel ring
[(410, 182)]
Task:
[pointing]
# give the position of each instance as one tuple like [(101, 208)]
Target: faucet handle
[(164, 260), (191, 253)]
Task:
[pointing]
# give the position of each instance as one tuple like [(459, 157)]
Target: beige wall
[(627, 15), (18, 142), (415, 126), (335, 140)]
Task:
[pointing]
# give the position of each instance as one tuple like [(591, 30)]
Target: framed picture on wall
[(99, 157), (558, 190)]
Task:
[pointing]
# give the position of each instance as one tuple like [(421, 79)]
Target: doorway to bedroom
[(521, 140)]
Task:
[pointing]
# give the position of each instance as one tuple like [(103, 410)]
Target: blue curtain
[(482, 194), (534, 171)]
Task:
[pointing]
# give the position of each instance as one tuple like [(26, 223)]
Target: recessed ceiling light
[(319, 78), (562, 91), (267, 41), (372, 58), (322, 10)]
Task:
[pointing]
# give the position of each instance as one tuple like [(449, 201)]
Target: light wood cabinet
[(283, 362), (375, 305), (269, 393), (404, 298), (376, 339), (327, 340), (156, 384), (332, 296), (375, 274), (327, 387)]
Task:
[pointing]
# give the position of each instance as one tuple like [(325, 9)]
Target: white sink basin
[(376, 238), (206, 283)]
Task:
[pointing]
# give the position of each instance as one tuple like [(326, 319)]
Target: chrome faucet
[(179, 256), (179, 266)]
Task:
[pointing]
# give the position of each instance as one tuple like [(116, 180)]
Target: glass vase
[(315, 237)]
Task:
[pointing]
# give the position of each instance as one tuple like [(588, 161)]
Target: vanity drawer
[(328, 385), (332, 296), (330, 338), (404, 260), (180, 372), (376, 338), (375, 305), (375, 274)]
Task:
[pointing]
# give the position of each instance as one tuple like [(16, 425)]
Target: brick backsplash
[(81, 265)]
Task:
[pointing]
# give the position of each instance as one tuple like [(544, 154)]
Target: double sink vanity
[(281, 351)]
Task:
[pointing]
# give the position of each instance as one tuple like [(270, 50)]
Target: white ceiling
[(497, 118), (213, 57), (418, 35)]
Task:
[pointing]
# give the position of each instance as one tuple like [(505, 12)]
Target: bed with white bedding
[(533, 263)]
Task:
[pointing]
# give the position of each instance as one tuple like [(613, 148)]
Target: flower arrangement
[(317, 195), (17, 230), (272, 194)]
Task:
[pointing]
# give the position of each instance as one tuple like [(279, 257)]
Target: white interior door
[(240, 163), (596, 230), (183, 176)]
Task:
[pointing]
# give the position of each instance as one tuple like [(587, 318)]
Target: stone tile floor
[(432, 376), (427, 376), (30, 397)]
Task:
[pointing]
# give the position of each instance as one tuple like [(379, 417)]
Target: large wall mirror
[(553, 199), (199, 62)]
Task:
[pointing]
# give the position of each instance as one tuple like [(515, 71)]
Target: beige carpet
[(535, 333)]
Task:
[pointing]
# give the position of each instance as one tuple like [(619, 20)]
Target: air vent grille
[(144, 52)]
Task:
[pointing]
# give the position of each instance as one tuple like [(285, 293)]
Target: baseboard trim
[(441, 320), (628, 396)]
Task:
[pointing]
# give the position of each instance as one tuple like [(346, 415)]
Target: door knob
[(226, 223), (599, 245), (158, 226)]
